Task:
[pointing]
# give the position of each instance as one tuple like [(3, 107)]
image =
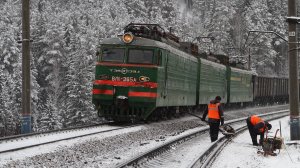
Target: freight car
[(270, 89), (148, 74)]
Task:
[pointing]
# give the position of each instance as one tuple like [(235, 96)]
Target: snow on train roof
[(243, 71), (139, 41), (214, 64)]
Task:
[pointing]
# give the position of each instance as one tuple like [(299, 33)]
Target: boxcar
[(270, 89)]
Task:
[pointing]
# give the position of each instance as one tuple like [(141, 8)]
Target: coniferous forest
[(65, 35)]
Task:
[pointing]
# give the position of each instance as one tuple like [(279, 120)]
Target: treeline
[(66, 34)]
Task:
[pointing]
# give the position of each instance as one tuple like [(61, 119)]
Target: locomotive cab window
[(113, 54), (140, 56)]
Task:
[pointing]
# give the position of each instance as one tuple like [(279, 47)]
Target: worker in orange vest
[(214, 111), (257, 126)]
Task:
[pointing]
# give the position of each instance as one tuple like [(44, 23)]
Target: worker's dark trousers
[(214, 130), (253, 134)]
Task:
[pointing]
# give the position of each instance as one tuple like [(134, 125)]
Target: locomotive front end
[(125, 86)]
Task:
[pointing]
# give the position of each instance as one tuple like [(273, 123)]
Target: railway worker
[(257, 126), (214, 111)]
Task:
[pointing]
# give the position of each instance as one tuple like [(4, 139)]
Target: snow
[(70, 30), (104, 150), (112, 148), (293, 18), (241, 153), (6, 157)]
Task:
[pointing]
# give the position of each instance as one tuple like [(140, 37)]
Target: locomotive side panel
[(212, 81), (177, 80), (240, 85)]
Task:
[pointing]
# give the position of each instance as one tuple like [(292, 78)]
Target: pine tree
[(66, 33), (10, 67)]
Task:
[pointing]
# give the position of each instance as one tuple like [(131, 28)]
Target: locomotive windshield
[(113, 54), (140, 56)]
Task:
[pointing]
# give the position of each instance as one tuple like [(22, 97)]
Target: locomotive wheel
[(164, 114), (154, 116), (169, 114)]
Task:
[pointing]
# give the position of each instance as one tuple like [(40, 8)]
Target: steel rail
[(58, 140), (12, 137), (207, 158), (151, 153)]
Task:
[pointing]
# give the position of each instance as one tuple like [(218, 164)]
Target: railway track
[(20, 142), (192, 149)]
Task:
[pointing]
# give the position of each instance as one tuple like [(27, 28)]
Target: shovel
[(225, 129)]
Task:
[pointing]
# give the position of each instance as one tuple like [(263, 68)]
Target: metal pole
[(249, 60), (26, 114), (293, 73)]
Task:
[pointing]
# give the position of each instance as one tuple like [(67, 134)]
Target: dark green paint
[(182, 80)]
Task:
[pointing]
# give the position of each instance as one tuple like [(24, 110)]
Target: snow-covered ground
[(44, 149), (103, 150), (23, 142), (240, 152), (108, 150)]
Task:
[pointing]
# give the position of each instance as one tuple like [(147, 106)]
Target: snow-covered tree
[(10, 67), (66, 33)]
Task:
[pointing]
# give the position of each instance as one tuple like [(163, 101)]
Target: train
[(148, 74)]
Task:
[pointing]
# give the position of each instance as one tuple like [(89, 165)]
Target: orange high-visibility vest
[(213, 111), (255, 120)]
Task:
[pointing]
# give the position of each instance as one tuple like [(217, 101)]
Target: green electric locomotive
[(148, 74)]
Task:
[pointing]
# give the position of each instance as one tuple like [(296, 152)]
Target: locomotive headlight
[(127, 38), (144, 79)]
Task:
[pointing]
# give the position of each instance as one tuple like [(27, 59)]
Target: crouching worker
[(215, 117), (257, 126)]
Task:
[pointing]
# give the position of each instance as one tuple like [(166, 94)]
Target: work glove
[(222, 122)]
